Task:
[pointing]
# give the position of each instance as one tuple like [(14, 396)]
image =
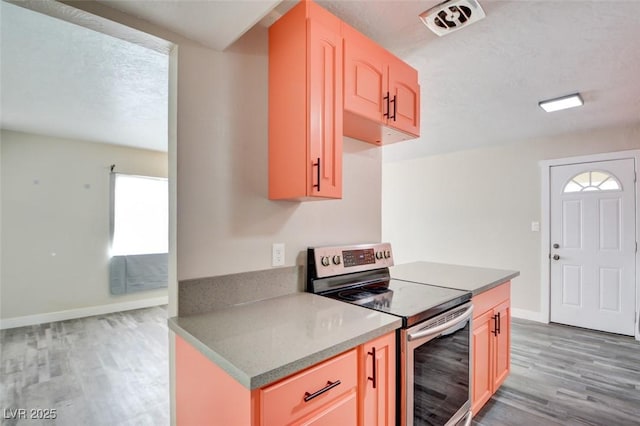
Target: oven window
[(441, 377)]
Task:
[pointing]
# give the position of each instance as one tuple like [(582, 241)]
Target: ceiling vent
[(452, 15)]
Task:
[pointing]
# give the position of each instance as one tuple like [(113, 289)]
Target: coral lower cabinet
[(305, 104), (491, 343), (378, 382), (356, 387), (381, 92)]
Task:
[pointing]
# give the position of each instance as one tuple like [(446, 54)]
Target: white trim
[(528, 315), (545, 212), (81, 312), (616, 155), (545, 272)]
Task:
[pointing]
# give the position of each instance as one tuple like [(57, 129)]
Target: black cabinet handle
[(386, 98), (495, 325), (394, 107), (374, 379), (330, 385), (317, 185), (498, 323)]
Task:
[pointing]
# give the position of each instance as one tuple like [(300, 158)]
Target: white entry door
[(593, 245)]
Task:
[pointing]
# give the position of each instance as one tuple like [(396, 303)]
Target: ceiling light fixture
[(564, 102)]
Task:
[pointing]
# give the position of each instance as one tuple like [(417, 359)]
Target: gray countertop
[(469, 278), (260, 342)]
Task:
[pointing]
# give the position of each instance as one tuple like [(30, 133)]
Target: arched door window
[(592, 181)]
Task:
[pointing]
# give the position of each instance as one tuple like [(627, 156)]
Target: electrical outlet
[(277, 254)]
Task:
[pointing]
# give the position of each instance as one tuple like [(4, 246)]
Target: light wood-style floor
[(102, 370), (113, 370), (563, 375)]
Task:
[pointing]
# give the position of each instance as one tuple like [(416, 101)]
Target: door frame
[(545, 219)]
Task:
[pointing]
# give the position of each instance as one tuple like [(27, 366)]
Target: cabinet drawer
[(343, 411), (284, 402), (490, 298)]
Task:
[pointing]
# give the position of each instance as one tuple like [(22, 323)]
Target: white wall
[(226, 223), (476, 207), (55, 229)]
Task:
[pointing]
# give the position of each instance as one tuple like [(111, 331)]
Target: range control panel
[(340, 260)]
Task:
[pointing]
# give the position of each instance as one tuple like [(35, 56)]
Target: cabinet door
[(325, 111), (482, 361), (288, 152), (365, 76), (502, 346), (379, 382), (405, 97)]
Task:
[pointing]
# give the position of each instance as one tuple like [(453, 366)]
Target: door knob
[(556, 257), (556, 245)]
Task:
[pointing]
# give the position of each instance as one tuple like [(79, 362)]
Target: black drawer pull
[(330, 385)]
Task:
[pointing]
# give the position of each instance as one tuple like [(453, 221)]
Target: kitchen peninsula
[(302, 357)]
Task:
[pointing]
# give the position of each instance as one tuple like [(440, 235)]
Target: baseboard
[(528, 315), (81, 312)]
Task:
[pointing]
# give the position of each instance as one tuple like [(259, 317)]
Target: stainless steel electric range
[(434, 368)]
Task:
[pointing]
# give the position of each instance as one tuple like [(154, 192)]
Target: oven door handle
[(439, 329)]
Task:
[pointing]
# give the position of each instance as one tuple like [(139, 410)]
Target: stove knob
[(387, 254), (379, 255), (325, 260), (336, 260)]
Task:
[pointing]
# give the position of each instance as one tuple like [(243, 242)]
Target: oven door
[(436, 370)]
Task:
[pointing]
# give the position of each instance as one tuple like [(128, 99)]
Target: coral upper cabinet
[(381, 93), (491, 343), (314, 60), (305, 105)]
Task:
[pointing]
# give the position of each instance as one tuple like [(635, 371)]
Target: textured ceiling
[(480, 85), (64, 80)]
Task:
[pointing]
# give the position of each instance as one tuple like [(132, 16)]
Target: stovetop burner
[(375, 296), (364, 292), (354, 295)]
